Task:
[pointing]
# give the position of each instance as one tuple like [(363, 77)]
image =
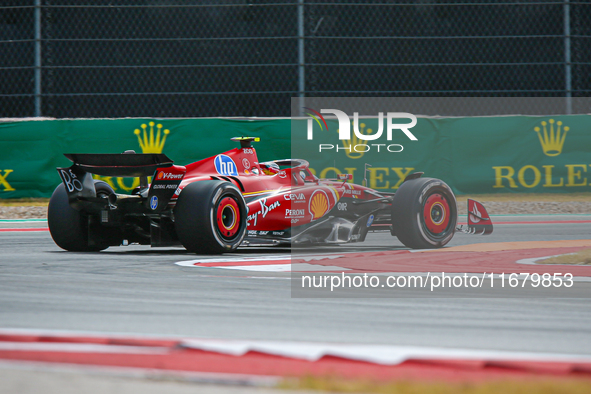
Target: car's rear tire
[(210, 217), (69, 227), (424, 213)]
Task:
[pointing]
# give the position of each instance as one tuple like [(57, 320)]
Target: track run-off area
[(237, 303)]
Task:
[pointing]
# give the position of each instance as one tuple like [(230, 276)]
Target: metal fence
[(172, 58)]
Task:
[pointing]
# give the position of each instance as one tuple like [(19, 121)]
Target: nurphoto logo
[(352, 144)]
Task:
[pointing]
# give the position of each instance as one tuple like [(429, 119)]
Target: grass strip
[(541, 386), (24, 202), (582, 257)]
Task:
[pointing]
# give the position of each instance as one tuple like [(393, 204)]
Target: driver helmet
[(269, 168)]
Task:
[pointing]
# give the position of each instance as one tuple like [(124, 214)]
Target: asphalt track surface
[(140, 290)]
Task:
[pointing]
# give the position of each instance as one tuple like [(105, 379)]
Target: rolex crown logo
[(552, 140), (350, 145), (150, 141)]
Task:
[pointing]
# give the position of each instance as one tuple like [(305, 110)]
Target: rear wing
[(79, 184), (131, 165)]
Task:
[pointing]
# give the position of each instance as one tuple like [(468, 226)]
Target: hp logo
[(224, 165)]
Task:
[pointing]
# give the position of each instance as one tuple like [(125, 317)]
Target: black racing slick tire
[(424, 213), (69, 227), (210, 217)]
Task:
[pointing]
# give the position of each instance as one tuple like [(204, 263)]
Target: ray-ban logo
[(351, 141)]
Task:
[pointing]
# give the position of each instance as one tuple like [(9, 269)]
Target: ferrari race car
[(218, 203)]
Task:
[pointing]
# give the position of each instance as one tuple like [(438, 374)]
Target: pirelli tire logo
[(551, 135)]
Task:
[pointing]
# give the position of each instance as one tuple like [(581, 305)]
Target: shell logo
[(160, 175), (318, 204)]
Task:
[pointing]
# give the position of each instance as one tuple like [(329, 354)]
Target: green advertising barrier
[(524, 154), (31, 150), (521, 154), (473, 155)]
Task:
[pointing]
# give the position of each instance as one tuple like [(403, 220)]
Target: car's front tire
[(424, 213), (69, 227), (210, 217)]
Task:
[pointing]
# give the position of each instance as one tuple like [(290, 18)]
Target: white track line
[(378, 354), (80, 348), (251, 263)]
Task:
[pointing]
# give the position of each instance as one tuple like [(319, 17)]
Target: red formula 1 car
[(216, 204)]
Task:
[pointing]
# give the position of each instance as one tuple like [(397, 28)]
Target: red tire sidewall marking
[(231, 230), (433, 201)]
